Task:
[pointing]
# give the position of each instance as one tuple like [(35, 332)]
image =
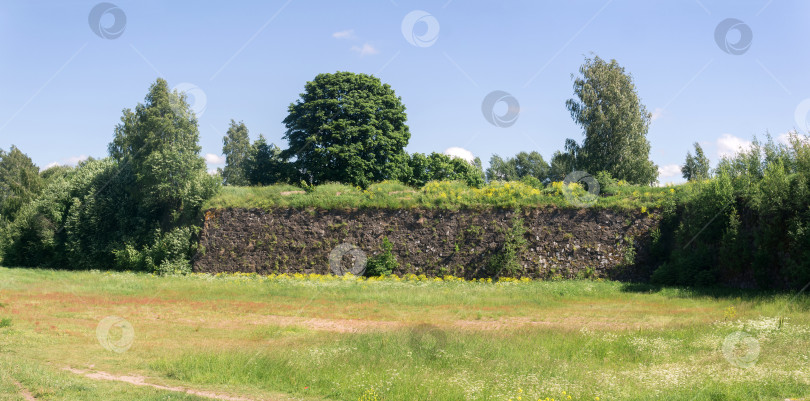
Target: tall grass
[(436, 194), (427, 339)]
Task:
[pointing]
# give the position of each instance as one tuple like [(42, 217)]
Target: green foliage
[(347, 128), (439, 167), (265, 166), (533, 182), (615, 122), (437, 195), (747, 224), (37, 237), (696, 167), (694, 267), (20, 182), (135, 210), (236, 148), (507, 259), (607, 184), (629, 253), (159, 143), (732, 247), (54, 173), (563, 163), (168, 253), (384, 263), (515, 168)]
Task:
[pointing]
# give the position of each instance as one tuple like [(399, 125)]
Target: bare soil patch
[(142, 381), (24, 391)]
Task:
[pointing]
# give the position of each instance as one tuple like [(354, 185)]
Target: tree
[(696, 167), (158, 145), (135, 210), (437, 166), (514, 168), (614, 121), (264, 165), (54, 173), (20, 182), (236, 148), (500, 169), (348, 128), (563, 163)]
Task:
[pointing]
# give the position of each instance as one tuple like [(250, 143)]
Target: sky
[(476, 77)]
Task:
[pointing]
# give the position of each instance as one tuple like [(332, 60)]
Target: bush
[(384, 263), (607, 184), (87, 220), (750, 221), (423, 169), (507, 258), (687, 268), (533, 182)]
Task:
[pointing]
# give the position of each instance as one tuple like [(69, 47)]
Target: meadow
[(248, 337)]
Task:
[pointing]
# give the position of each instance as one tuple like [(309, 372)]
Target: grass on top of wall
[(443, 195)]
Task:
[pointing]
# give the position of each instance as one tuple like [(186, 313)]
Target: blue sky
[(63, 86)]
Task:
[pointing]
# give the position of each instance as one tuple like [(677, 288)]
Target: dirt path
[(24, 391), (141, 381)]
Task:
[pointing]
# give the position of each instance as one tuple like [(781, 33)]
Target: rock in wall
[(563, 243)]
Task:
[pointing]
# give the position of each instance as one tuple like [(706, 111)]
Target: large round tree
[(348, 128)]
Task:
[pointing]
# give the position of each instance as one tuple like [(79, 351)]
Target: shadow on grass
[(800, 299)]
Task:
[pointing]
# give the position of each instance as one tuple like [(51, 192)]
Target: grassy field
[(316, 338)]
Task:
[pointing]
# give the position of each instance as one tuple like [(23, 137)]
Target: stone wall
[(562, 243)]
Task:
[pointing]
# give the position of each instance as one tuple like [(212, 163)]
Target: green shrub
[(693, 267), (607, 184), (87, 220), (532, 181), (629, 252), (507, 258), (174, 267), (384, 263), (130, 259)]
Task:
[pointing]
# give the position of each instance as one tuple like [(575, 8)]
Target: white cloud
[(461, 153), (668, 171), (70, 161), (211, 158), (347, 34), (785, 138), (657, 113), (365, 50), (728, 145), (212, 171)]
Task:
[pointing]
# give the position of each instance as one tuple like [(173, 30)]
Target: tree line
[(139, 208), (351, 128)]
